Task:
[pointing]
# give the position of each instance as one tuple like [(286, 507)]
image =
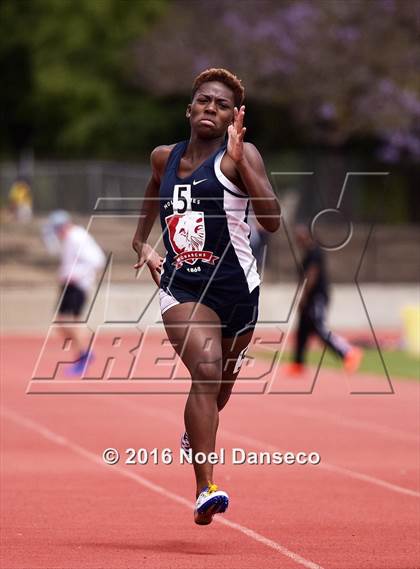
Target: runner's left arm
[(250, 167)]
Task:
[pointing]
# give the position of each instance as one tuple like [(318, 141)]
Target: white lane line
[(371, 479), (353, 423), (62, 441), (328, 466), (265, 446)]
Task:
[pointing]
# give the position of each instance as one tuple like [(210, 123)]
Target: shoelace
[(211, 488)]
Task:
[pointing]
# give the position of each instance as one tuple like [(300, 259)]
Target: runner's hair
[(223, 76)]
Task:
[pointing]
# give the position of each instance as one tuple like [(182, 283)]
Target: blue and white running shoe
[(210, 501)]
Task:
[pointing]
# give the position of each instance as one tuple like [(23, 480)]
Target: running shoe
[(210, 501), (294, 369), (353, 359), (79, 366), (185, 442)]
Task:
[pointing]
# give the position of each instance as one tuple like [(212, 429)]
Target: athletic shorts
[(72, 300), (238, 316)]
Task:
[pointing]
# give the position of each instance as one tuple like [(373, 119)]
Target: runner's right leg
[(305, 328), (194, 331)]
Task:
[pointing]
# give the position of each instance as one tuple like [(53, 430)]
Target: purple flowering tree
[(343, 69)]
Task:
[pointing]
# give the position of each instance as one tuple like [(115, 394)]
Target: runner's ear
[(188, 113)]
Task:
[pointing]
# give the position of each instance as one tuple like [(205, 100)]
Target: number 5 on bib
[(182, 198)]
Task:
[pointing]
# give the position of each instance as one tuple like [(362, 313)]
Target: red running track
[(63, 508)]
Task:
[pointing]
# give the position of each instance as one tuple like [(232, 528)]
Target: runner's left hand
[(236, 133)]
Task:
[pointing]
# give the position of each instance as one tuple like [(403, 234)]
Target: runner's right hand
[(147, 255)]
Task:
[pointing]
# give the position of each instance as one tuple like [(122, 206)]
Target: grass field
[(398, 364)]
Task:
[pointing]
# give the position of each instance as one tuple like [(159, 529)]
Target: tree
[(342, 69), (68, 73)]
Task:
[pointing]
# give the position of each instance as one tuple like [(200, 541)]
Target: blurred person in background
[(20, 200), (81, 259), (313, 307)]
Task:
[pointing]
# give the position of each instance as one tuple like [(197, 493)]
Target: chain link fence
[(75, 186)]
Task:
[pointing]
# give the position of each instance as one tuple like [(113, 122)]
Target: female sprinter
[(209, 284)]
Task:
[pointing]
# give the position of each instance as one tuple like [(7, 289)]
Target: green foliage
[(399, 364), (69, 83), (111, 79)]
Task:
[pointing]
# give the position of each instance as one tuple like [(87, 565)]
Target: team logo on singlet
[(187, 235)]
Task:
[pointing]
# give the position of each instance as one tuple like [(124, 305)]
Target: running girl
[(209, 284)]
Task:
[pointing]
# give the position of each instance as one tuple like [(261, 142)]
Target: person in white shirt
[(81, 260)]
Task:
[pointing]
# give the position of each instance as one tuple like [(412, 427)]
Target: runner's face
[(211, 110)]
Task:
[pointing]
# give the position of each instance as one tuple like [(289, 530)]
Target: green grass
[(399, 364)]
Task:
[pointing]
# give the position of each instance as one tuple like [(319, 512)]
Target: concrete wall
[(31, 310)]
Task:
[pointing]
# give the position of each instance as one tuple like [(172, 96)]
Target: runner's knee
[(207, 377), (207, 369)]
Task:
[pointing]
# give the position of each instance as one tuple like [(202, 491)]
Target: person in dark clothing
[(313, 308)]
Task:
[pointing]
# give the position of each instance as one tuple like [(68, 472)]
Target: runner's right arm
[(148, 212)]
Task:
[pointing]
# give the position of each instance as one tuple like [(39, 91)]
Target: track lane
[(323, 516)]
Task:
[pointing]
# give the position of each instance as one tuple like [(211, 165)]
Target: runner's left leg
[(233, 357), (72, 332), (318, 316)]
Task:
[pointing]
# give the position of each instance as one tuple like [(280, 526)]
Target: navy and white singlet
[(206, 236)]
